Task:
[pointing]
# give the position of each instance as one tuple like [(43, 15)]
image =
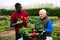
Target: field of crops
[(5, 25)]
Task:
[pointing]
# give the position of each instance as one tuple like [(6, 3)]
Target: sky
[(28, 2)]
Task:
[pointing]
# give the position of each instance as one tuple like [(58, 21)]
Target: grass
[(55, 33)]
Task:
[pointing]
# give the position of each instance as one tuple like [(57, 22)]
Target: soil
[(8, 35)]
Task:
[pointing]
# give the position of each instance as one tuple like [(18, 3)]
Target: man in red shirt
[(14, 18)]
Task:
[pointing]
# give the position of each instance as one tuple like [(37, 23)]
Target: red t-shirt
[(15, 16)]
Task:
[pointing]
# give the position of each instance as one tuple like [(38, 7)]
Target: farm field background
[(5, 26)]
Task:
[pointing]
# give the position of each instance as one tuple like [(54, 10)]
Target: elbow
[(49, 30)]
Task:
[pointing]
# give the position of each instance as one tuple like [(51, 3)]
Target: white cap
[(43, 10)]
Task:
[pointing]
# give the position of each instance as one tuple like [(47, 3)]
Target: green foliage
[(35, 12), (6, 12), (30, 25), (39, 25), (50, 12), (25, 31), (6, 27), (56, 32), (2, 29), (5, 24)]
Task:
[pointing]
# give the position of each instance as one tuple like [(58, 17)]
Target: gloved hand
[(19, 21), (42, 32)]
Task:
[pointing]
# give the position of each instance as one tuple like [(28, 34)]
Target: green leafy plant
[(24, 31)]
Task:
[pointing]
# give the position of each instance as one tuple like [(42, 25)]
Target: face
[(19, 9), (42, 15)]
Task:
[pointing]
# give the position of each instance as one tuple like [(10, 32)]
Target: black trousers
[(41, 39), (19, 36)]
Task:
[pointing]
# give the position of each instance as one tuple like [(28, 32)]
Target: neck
[(43, 18), (18, 12)]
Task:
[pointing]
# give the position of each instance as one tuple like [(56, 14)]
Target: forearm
[(12, 24)]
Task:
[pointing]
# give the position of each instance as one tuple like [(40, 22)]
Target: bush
[(35, 12), (50, 12)]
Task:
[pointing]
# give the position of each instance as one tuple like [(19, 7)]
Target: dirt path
[(8, 35)]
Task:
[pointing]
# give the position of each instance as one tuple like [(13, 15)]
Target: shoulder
[(50, 21), (13, 14), (24, 10), (25, 13)]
